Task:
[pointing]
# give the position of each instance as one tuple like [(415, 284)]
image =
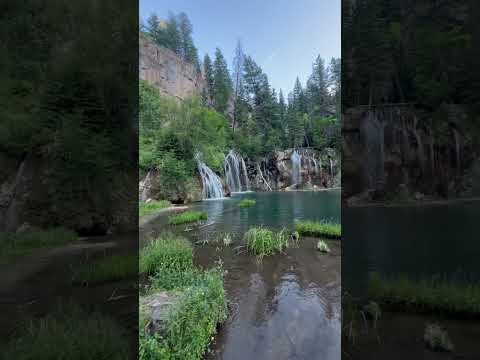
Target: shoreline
[(412, 203)]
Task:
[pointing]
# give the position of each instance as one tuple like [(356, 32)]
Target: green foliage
[(166, 252), (187, 217), (318, 228), (116, 267), (174, 33), (435, 295), (247, 203), (191, 323), (222, 83), (69, 333), (193, 320), (18, 244), (265, 242), (150, 207)]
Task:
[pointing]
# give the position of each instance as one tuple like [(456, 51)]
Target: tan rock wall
[(165, 70)]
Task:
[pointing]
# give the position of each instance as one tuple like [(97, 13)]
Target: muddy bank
[(399, 336)]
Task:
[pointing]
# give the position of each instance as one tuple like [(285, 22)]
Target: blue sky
[(283, 36)]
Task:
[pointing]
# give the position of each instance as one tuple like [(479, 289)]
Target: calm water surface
[(287, 306)]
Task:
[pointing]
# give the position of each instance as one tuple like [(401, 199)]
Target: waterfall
[(331, 167), (144, 186), (212, 185), (236, 172), (296, 168)]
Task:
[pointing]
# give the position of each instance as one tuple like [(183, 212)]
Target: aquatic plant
[(436, 338), (187, 217), (18, 244), (69, 333), (323, 246), (168, 251), (264, 242), (227, 239), (146, 208), (318, 228), (426, 294), (109, 268), (247, 203)]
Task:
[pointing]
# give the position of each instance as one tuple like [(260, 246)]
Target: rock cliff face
[(400, 151), (165, 70), (315, 170)]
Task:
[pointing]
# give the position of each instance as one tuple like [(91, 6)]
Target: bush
[(426, 295), (264, 242), (18, 244), (322, 228), (187, 217), (114, 267), (247, 203), (145, 208), (166, 252), (69, 333)]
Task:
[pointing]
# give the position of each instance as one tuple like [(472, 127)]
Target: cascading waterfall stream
[(296, 168), (236, 172), (212, 185)]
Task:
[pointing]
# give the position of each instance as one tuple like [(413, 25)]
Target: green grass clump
[(145, 208), (318, 228), (187, 217), (193, 320), (426, 295), (247, 203), (168, 251), (110, 268), (69, 333), (13, 245), (264, 242)]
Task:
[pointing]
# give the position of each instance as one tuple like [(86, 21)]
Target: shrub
[(166, 252), (187, 217), (145, 208), (315, 228), (247, 203), (69, 333), (114, 267), (264, 242), (18, 244), (426, 295)]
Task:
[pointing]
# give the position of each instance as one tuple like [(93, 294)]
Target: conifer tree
[(222, 83)]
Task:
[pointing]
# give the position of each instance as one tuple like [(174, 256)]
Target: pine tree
[(222, 83), (188, 50), (238, 62), (172, 33), (208, 75)]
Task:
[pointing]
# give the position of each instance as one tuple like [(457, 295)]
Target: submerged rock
[(155, 309)]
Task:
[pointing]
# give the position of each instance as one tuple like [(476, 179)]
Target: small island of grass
[(318, 228), (188, 217), (245, 203)]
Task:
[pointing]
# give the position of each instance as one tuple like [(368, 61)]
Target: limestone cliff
[(169, 73)]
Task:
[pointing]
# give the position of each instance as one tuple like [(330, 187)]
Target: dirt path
[(14, 273)]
